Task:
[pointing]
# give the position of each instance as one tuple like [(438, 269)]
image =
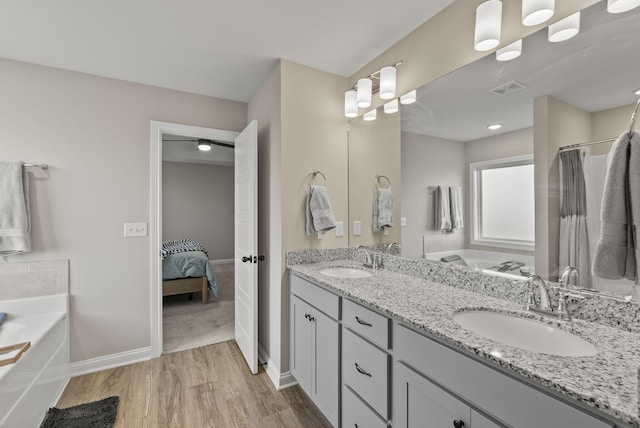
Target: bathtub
[(34, 383), (482, 260)]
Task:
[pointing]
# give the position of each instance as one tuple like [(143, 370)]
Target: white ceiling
[(596, 70), (218, 48)]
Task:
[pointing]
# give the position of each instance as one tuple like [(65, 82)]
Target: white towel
[(319, 214), (15, 222), (616, 256), (455, 195), (442, 210), (382, 210)]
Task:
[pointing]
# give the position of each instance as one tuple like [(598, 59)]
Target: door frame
[(155, 218)]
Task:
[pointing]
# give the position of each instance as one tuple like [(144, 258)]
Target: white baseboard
[(279, 380), (110, 361), (220, 261)]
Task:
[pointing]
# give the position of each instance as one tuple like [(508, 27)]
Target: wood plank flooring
[(202, 387)]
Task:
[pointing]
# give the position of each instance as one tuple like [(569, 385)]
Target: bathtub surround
[(32, 279)]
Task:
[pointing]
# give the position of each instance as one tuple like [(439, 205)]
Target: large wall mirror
[(507, 182)]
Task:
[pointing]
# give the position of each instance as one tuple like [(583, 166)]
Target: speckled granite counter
[(607, 381)]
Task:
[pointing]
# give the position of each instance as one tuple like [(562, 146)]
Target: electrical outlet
[(357, 228), (339, 228), (319, 235), (403, 221), (135, 229)]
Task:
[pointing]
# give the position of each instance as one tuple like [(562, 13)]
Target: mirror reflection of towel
[(319, 214), (383, 210), (442, 210), (455, 195)]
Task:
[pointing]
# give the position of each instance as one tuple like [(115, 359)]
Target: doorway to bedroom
[(197, 213)]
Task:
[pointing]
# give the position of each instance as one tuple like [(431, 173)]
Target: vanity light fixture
[(509, 52), (370, 115), (619, 6), (364, 92), (391, 106), (488, 25), (350, 104), (565, 28), (536, 12), (387, 82), (494, 126), (409, 97), (204, 146)]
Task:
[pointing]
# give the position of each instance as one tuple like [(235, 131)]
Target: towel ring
[(313, 175), (379, 177)]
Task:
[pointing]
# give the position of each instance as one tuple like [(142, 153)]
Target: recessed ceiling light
[(494, 126)]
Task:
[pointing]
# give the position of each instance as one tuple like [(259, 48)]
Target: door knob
[(246, 259)]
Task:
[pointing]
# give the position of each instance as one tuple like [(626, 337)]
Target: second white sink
[(525, 333), (342, 272)]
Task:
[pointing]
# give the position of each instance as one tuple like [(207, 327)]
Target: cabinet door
[(301, 343), (480, 421), (420, 403), (326, 382)]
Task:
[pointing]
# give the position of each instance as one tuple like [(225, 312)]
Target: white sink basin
[(525, 333), (341, 272)]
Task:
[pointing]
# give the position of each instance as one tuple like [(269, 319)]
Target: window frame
[(475, 204)]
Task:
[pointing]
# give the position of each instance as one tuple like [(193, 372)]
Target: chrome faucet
[(391, 246), (567, 273), (368, 261), (544, 306)]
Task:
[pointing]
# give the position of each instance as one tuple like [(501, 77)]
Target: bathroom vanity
[(385, 350)]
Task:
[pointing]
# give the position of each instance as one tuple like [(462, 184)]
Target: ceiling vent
[(508, 88)]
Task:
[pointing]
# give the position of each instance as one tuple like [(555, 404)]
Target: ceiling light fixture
[(388, 82), (204, 146), (509, 52), (565, 28), (488, 25), (536, 12), (370, 115), (364, 90), (391, 107), (619, 6), (494, 126), (350, 104), (409, 97)]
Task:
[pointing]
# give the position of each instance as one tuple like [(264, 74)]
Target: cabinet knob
[(458, 423)]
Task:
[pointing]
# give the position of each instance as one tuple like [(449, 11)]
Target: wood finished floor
[(197, 388)]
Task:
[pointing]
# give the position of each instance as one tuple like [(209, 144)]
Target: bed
[(186, 269)]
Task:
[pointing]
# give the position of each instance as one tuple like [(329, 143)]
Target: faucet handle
[(562, 311)]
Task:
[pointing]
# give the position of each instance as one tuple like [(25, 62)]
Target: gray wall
[(197, 203), (94, 132)]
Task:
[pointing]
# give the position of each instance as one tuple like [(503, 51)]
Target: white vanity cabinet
[(315, 345), (454, 386)]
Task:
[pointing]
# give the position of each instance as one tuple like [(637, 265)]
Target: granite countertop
[(607, 381)]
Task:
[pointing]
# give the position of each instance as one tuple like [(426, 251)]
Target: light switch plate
[(135, 229), (339, 228), (357, 228), (403, 221)]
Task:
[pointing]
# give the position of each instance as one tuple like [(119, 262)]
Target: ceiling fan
[(203, 143)]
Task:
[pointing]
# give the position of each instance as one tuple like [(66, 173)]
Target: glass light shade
[(387, 83), (364, 92), (535, 12), (409, 97), (488, 25), (204, 146), (370, 115), (619, 6), (391, 106), (350, 104), (565, 28), (509, 52)]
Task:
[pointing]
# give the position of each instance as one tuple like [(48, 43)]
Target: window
[(502, 203)]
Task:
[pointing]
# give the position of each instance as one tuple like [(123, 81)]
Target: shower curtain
[(574, 237)]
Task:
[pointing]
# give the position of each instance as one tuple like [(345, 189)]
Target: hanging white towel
[(15, 221), (616, 255), (455, 196), (319, 214), (382, 210), (442, 210)]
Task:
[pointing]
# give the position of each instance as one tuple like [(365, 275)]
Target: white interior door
[(246, 243)]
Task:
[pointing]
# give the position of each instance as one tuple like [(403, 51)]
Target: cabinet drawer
[(496, 393), (318, 297), (356, 414), (366, 323), (365, 369)]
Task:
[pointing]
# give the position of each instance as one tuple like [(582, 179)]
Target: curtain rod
[(590, 143)]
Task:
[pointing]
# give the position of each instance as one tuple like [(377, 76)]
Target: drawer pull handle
[(307, 316), (363, 322), (364, 372), (458, 423)]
